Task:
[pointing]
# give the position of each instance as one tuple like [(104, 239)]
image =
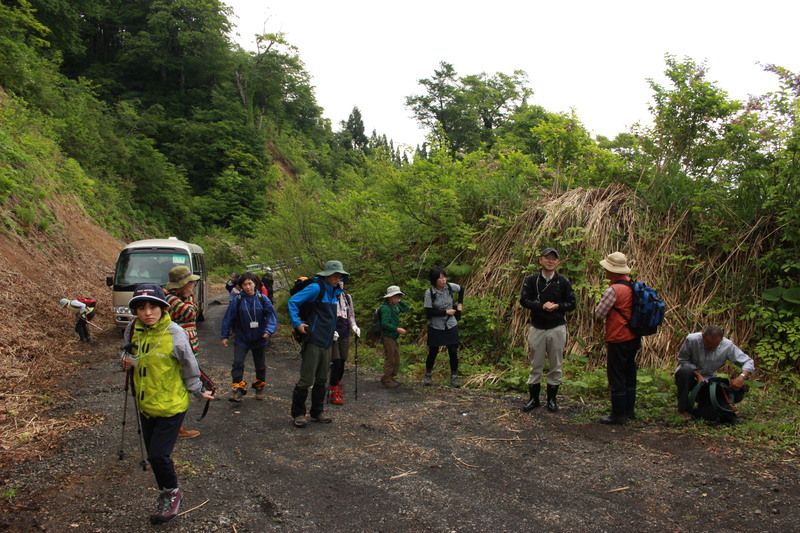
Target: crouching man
[(701, 355)]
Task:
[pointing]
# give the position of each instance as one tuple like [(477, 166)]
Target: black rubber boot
[(533, 402), (299, 396), (617, 416), (630, 403), (552, 404)]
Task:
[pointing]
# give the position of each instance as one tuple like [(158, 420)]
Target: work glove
[(335, 336), (357, 331)]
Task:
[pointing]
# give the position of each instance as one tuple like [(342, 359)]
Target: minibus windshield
[(146, 266)]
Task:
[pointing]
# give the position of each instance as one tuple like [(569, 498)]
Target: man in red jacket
[(622, 343)]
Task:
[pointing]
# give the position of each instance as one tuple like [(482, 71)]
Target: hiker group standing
[(163, 369)]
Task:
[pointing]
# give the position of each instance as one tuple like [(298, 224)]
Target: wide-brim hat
[(331, 268), (393, 290), (148, 292), (616, 263), (180, 276)]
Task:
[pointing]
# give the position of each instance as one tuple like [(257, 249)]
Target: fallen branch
[(462, 462), (398, 476), (194, 508), (515, 439), (617, 490)]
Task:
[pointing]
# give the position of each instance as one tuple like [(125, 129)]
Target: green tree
[(689, 120), (355, 126), (467, 111)]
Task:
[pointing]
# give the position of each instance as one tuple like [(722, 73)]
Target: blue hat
[(148, 292)]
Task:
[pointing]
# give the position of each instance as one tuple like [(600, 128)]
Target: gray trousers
[(547, 343)]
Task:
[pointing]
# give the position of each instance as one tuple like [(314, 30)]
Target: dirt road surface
[(407, 459)]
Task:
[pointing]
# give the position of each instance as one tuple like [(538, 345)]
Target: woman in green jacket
[(164, 372)]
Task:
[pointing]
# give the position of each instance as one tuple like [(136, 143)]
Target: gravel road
[(406, 459)]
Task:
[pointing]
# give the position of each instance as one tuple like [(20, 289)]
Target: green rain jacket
[(166, 370)]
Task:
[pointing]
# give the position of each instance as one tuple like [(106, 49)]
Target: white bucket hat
[(393, 290), (616, 263)]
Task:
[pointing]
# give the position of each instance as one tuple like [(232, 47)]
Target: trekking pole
[(91, 323), (121, 451), (356, 380), (126, 351), (143, 462)]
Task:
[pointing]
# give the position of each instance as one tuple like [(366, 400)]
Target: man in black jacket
[(549, 296)]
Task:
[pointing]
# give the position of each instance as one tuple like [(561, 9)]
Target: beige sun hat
[(180, 276), (393, 290), (616, 263)]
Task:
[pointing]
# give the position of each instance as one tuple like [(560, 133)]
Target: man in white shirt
[(701, 355)]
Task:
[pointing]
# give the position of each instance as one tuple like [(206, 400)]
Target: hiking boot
[(390, 384), (428, 379), (299, 421), (336, 397), (322, 419), (167, 506), (258, 386), (454, 381), (184, 433), (237, 395)]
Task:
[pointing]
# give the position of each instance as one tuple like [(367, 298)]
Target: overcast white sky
[(592, 56)]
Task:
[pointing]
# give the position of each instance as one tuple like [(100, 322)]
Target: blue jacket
[(241, 312), (322, 322)]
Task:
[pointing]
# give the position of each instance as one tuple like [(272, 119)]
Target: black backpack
[(713, 400), (376, 327), (306, 310)]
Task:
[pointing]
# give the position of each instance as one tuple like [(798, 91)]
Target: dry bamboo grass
[(612, 219)]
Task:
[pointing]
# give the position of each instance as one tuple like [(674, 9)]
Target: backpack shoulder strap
[(693, 394), (321, 290), (724, 407), (627, 283)]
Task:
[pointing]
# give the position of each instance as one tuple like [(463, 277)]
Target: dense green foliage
[(149, 115)]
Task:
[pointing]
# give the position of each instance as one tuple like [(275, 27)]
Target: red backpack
[(88, 302)]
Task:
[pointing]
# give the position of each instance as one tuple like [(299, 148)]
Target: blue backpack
[(647, 311)]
